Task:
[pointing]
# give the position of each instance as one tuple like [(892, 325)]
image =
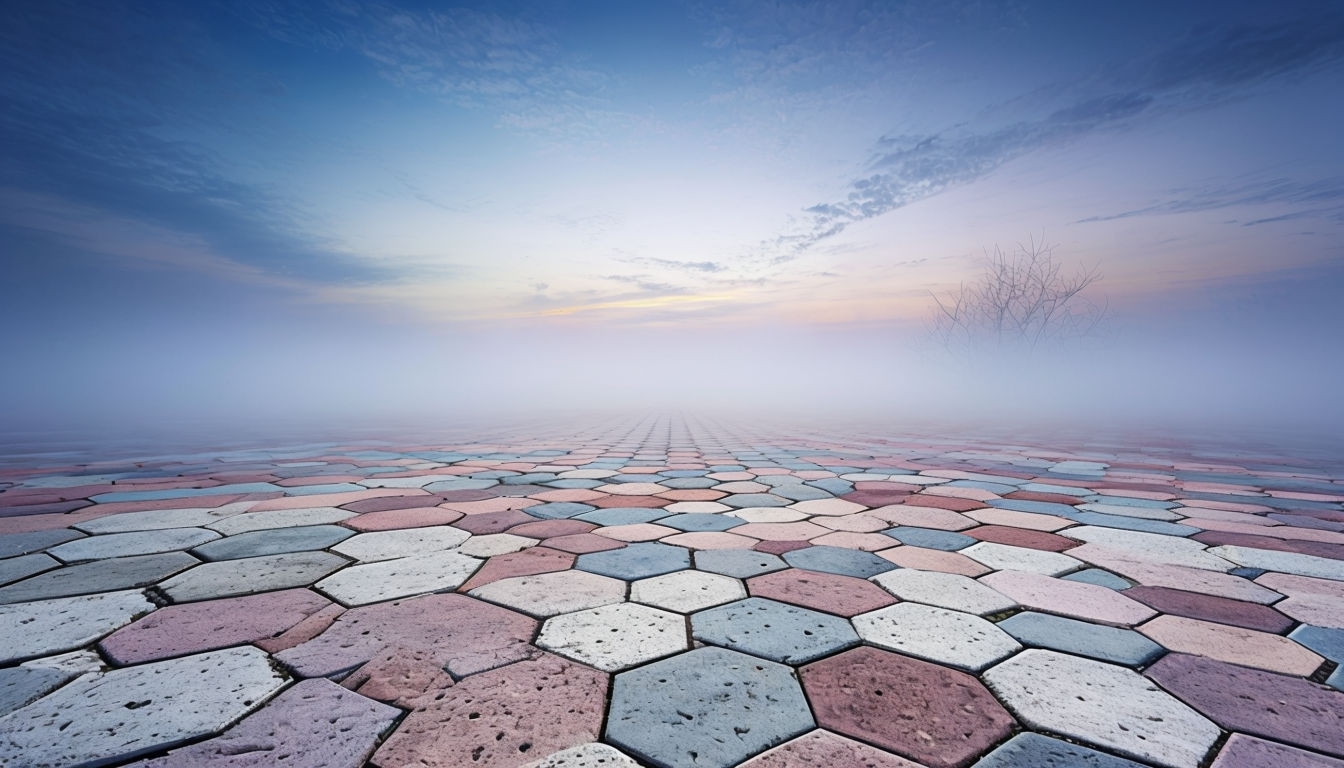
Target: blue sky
[(196, 199)]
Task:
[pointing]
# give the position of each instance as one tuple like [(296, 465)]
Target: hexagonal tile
[(687, 591), (637, 561), (945, 590), (936, 634), (845, 562), (931, 714), (1102, 705), (709, 708), (842, 595), (549, 594), (773, 630), (615, 637)]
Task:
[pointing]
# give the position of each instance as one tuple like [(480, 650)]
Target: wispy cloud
[(1271, 191), (701, 267), (1207, 66), (511, 66)]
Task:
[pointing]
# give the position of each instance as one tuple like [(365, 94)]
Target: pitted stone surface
[(687, 591), (528, 562), (1081, 638), (156, 519), (97, 576), (15, 544), (128, 712), (945, 590), (1102, 705), (1323, 640), (463, 635), (1004, 557), (273, 542), (1099, 577), (637, 561), (823, 748), (228, 578), (405, 576), (930, 538), (127, 544), (739, 564), (393, 519), (549, 594), (845, 562), (1234, 645), (930, 714), (42, 628), (614, 637), (1176, 576), (1256, 702), (502, 717), (1169, 550), (1283, 562), (280, 518), (1243, 751), (315, 724), (22, 685), (591, 755), (842, 595), (1032, 750), (14, 568), (708, 708), (773, 630), (179, 630), (950, 638), (1068, 598), (386, 545), (495, 544)]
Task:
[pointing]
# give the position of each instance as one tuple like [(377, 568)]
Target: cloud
[(703, 267), (511, 66), (1271, 191), (1207, 66)]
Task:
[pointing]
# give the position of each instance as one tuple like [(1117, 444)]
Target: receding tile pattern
[(469, 603)]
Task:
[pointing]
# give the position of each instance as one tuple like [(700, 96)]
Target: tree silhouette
[(1022, 299)]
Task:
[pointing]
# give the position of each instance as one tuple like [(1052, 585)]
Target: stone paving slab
[(1102, 705), (128, 712), (628, 546), (958, 640), (230, 578), (710, 708), (942, 718), (314, 724), (97, 576)]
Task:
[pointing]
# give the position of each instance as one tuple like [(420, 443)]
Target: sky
[(215, 211)]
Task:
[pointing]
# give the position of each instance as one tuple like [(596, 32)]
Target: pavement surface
[(669, 591)]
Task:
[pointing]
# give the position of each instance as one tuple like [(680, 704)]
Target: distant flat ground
[(674, 591)]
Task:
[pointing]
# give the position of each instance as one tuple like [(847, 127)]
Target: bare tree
[(1023, 298)]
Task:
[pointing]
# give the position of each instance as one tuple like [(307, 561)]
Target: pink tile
[(800, 531), (636, 532), (1068, 598), (923, 517), (933, 560), (393, 519), (868, 542), (711, 540), (1234, 645)]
